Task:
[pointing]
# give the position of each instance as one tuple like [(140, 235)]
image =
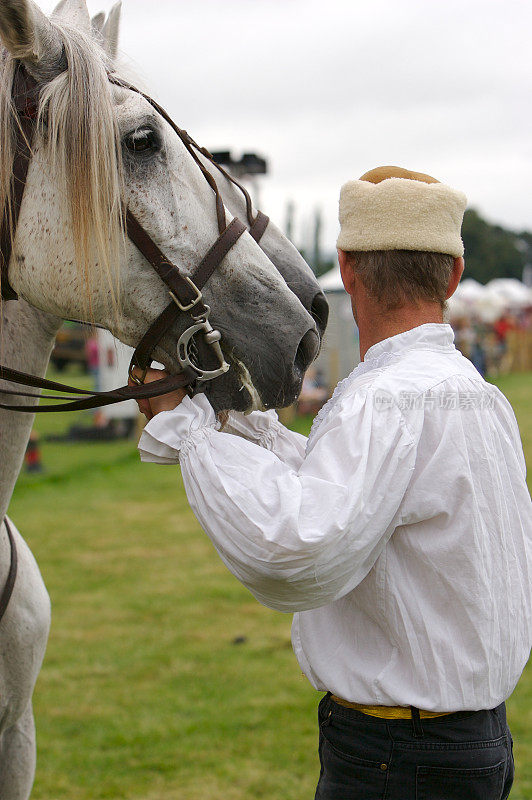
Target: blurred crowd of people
[(491, 346)]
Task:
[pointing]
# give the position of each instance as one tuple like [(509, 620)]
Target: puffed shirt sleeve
[(264, 428), (261, 427), (298, 538)]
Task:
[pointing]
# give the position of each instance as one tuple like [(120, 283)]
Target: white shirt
[(400, 532)]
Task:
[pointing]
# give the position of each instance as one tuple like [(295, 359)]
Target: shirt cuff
[(170, 432), (261, 427)]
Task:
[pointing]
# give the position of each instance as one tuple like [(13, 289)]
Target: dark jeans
[(462, 756)]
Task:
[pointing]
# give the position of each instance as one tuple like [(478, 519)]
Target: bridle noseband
[(185, 291)]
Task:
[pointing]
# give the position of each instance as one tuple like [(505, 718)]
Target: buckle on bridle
[(197, 299), (212, 338)]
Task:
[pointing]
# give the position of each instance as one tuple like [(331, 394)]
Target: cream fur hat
[(390, 208)]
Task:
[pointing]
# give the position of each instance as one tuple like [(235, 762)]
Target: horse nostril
[(320, 312), (307, 350)]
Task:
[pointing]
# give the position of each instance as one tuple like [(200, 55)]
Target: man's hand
[(165, 402)]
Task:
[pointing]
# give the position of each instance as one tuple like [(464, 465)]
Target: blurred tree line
[(492, 251)]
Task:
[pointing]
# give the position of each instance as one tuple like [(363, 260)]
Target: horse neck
[(26, 341)]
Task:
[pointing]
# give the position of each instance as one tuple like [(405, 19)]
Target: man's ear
[(346, 271), (456, 274)]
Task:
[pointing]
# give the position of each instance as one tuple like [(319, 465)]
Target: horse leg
[(23, 636), (17, 757)]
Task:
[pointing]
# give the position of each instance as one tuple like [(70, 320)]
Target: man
[(399, 532)]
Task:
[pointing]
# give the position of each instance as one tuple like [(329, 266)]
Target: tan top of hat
[(383, 173)]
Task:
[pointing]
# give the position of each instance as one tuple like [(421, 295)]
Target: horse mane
[(77, 120)]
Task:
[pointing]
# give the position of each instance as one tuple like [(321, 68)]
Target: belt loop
[(416, 723)]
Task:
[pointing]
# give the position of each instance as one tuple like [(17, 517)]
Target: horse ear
[(97, 23), (75, 12), (111, 30), (29, 36)]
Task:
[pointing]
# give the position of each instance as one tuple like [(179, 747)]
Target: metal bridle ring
[(212, 338), (138, 381)]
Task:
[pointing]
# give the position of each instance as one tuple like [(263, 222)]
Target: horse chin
[(247, 385), (233, 391), (236, 391)]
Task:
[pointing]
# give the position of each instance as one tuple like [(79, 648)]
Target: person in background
[(92, 353), (501, 327), (477, 350), (399, 533)]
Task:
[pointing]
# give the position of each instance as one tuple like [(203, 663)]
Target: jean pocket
[(449, 783), (349, 776), (353, 748)]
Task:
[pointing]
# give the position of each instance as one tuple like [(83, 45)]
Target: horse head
[(100, 148)]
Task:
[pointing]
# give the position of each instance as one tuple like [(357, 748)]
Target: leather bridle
[(185, 290)]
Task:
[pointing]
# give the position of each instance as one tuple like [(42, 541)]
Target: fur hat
[(391, 208)]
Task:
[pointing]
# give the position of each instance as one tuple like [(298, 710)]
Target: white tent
[(489, 307), (340, 352), (489, 302), (457, 307), (469, 291), (514, 293)]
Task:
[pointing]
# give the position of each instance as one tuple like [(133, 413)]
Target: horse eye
[(142, 140)]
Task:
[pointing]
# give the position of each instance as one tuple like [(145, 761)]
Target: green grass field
[(163, 677)]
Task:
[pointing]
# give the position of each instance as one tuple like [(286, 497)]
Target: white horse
[(98, 146)]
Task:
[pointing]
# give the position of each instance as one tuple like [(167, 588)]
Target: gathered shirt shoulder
[(399, 532)]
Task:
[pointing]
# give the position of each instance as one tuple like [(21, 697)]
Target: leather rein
[(184, 290)]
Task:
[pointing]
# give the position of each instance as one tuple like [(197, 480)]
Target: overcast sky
[(327, 90)]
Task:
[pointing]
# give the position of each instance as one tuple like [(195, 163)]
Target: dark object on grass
[(113, 430)]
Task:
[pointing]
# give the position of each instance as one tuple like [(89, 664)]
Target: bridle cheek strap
[(185, 295), (182, 286)]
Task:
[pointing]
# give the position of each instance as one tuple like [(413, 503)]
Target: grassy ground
[(163, 677)]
